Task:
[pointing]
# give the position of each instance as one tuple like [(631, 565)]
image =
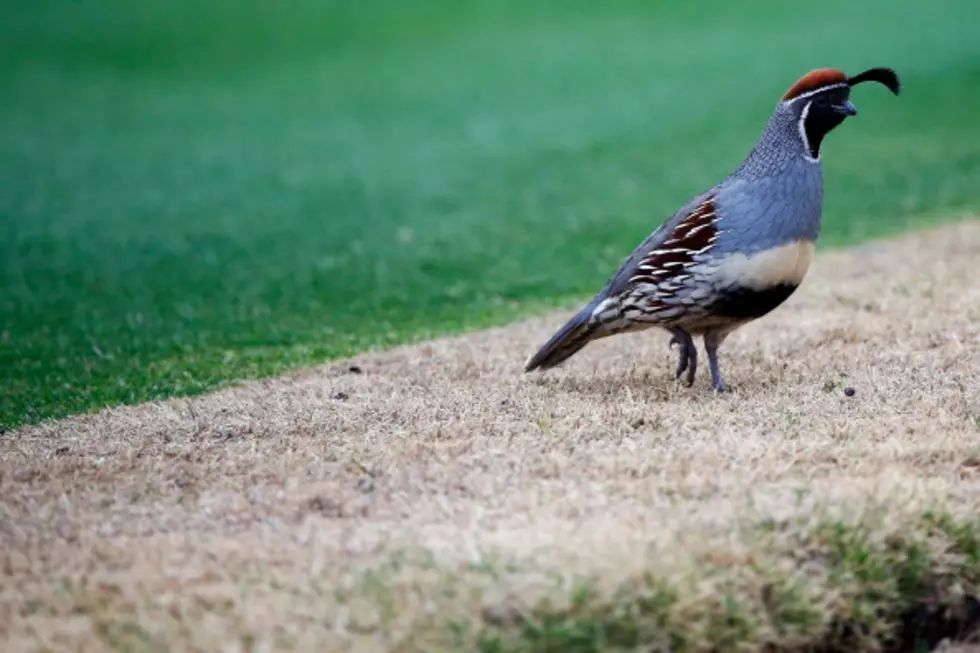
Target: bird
[(734, 252)]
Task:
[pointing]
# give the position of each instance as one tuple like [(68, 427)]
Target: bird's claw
[(687, 358), (682, 364)]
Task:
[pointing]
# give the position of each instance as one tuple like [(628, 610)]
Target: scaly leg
[(713, 340), (688, 358)]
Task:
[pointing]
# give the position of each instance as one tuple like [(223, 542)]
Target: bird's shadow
[(651, 385)]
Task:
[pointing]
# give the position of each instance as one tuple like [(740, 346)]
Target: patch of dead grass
[(367, 510)]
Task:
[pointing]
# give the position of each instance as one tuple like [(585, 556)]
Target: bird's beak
[(847, 108)]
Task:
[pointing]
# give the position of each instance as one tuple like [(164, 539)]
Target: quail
[(734, 252)]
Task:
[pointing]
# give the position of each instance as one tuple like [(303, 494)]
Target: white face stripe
[(801, 127), (822, 89)]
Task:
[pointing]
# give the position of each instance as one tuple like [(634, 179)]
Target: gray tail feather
[(575, 334)]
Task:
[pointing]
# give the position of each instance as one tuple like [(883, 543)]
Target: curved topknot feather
[(815, 79), (884, 76)]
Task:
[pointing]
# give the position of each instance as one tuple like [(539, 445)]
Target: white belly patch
[(786, 264)]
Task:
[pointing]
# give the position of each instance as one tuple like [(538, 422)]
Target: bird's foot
[(683, 364), (717, 380), (682, 358), (687, 359)]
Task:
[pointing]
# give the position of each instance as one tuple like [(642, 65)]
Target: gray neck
[(780, 146)]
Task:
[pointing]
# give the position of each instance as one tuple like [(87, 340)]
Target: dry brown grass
[(335, 510)]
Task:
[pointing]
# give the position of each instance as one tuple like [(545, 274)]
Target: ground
[(433, 497)]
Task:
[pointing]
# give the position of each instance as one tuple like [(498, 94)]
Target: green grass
[(828, 585), (192, 193)]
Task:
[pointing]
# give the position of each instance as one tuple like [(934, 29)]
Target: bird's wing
[(670, 248)]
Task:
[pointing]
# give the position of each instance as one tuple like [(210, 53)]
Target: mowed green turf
[(192, 193)]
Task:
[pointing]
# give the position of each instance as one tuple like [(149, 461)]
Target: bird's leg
[(678, 339), (712, 340), (688, 355)]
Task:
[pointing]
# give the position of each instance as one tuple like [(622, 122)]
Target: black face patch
[(828, 99), (822, 116), (746, 304)]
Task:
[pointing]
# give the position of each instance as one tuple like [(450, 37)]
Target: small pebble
[(849, 391), (365, 484), (502, 614), (355, 369), (224, 436)]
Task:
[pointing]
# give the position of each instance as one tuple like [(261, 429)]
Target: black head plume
[(884, 76)]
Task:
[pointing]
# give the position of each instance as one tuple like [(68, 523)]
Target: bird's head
[(820, 101)]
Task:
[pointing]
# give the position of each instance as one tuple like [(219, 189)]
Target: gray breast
[(766, 212)]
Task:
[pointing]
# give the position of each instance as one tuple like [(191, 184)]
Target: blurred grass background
[(196, 192)]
